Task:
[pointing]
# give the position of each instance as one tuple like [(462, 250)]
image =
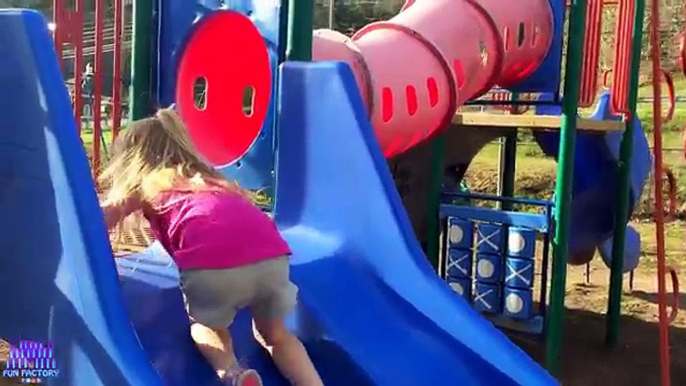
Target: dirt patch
[(586, 361), (533, 182)]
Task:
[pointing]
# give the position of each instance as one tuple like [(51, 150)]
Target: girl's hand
[(116, 212)]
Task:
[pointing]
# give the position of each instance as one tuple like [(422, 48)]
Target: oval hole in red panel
[(412, 103), (222, 131), (459, 73), (483, 52), (506, 39), (534, 35), (521, 35), (200, 93), (432, 88), (386, 104), (249, 101)]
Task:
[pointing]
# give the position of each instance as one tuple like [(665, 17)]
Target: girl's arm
[(115, 213)]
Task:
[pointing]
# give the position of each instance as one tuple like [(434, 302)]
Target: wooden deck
[(534, 122)]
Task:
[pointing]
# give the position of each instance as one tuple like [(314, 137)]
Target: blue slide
[(372, 311), (595, 191)]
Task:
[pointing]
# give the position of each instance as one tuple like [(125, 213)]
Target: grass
[(536, 173)]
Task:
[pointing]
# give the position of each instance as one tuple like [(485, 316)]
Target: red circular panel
[(228, 55)]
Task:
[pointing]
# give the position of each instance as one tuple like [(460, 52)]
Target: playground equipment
[(345, 264), (462, 57), (410, 74), (487, 44), (69, 23)]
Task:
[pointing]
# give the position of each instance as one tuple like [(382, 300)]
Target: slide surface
[(57, 275), (372, 312)]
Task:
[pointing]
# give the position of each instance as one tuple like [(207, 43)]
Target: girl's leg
[(211, 297), (216, 346), (288, 353)]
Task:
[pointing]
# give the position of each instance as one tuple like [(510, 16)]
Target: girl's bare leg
[(288, 353), (216, 346)]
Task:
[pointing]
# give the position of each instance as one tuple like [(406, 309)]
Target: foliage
[(352, 17)]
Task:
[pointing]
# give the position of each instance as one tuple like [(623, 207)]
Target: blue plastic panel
[(488, 298), (58, 276), (491, 238), (518, 303), (489, 268), (460, 233), (535, 221), (176, 20), (519, 273), (521, 242), (547, 78), (459, 263), (462, 287)]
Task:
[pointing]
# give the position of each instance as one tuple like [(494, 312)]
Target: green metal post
[(300, 23), (432, 234), (622, 207), (507, 164), (507, 168), (139, 92), (563, 188)]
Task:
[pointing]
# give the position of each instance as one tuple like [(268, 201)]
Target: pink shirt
[(213, 230)]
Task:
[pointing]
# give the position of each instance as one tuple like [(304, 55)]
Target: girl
[(230, 255)]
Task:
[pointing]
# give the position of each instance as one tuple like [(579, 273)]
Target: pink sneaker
[(247, 377)]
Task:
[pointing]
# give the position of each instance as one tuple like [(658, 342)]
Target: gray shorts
[(214, 296)]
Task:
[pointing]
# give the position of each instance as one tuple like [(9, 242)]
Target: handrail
[(672, 96), (659, 208), (671, 194), (682, 52), (676, 301)]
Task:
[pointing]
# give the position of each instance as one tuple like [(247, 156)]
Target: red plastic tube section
[(415, 69), (526, 29), (469, 40)]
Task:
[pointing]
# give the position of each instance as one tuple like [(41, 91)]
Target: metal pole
[(97, 84), (78, 65), (300, 19), (507, 163), (331, 13), (58, 19), (139, 93), (432, 234), (622, 208), (563, 189), (507, 168), (664, 320), (116, 67)]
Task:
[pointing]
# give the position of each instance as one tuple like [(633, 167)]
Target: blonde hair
[(156, 154)]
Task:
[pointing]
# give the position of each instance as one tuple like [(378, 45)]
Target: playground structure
[(407, 104)]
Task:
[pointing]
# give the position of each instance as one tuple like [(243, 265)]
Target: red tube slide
[(415, 69)]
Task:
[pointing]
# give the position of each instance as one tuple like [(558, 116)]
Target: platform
[(534, 122)]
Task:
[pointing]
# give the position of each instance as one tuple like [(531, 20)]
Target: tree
[(352, 17)]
